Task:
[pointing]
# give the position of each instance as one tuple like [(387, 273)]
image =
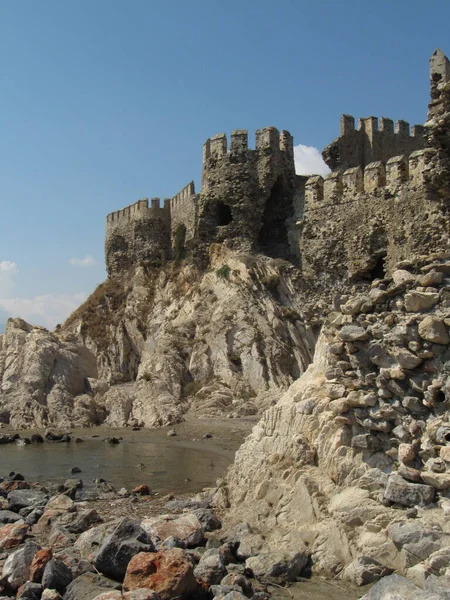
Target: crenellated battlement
[(350, 185), (139, 210), (372, 140), (371, 125), (268, 138), (269, 142), (185, 194)]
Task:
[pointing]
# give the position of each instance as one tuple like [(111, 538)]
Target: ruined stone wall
[(371, 142), (361, 221), (137, 234), (183, 210), (247, 194)]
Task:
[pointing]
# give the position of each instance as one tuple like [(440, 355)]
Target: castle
[(378, 205)]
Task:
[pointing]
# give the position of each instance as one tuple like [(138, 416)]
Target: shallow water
[(165, 464)]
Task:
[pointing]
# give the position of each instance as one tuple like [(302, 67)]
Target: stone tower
[(247, 194)]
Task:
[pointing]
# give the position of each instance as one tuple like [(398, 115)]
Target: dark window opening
[(224, 214)]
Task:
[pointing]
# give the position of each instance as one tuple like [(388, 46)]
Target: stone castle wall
[(360, 223), (138, 233), (247, 194), (183, 210), (371, 141), (382, 202)]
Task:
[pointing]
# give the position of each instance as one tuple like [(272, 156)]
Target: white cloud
[(47, 310), (87, 261), (308, 161), (8, 270), (6, 266)]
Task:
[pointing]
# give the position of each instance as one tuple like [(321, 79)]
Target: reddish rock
[(10, 486), (143, 490), (37, 567), (169, 573), (12, 535)]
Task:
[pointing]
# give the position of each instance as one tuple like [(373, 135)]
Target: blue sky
[(104, 102)]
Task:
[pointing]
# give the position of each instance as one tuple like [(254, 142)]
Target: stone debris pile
[(55, 545), (356, 455)]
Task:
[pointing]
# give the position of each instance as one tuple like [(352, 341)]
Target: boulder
[(353, 333), (41, 558), (91, 540), (18, 499), (405, 358), (169, 573), (396, 587), (16, 569), (417, 540), (141, 490), (7, 516), (12, 535), (210, 569), (186, 528), (127, 540), (418, 301), (89, 586), (84, 520), (51, 595), (33, 517), (287, 565), (433, 330), (364, 570), (402, 277), (57, 575), (29, 591), (208, 519), (61, 502), (408, 494), (440, 481)]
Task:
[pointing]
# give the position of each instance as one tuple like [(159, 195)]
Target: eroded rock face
[(363, 430), (43, 378), (225, 341)]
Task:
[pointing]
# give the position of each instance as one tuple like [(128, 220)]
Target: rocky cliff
[(228, 341), (363, 434)]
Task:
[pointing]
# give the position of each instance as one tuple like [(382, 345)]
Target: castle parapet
[(371, 141), (138, 210), (268, 142), (374, 176), (397, 171), (353, 183), (314, 190)]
